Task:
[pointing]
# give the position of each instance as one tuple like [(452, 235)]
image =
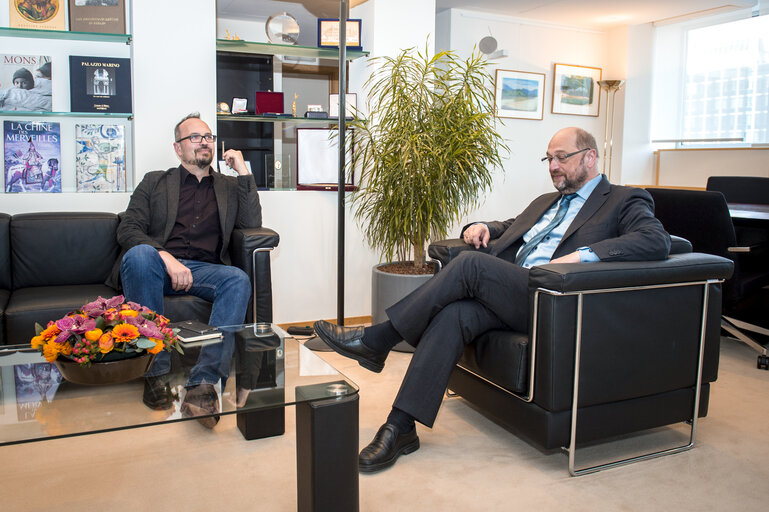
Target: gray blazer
[(616, 222), (154, 204)]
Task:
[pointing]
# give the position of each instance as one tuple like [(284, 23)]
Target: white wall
[(532, 47)]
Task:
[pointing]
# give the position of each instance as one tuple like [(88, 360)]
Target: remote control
[(301, 331)]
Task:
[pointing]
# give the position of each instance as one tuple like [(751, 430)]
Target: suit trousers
[(474, 293)]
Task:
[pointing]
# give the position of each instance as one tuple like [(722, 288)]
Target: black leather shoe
[(157, 393), (387, 446), (348, 342)]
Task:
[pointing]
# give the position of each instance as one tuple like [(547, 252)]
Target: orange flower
[(106, 343), (128, 312), (65, 348), (50, 352), (37, 342), (123, 333), (93, 335), (158, 346), (50, 332)]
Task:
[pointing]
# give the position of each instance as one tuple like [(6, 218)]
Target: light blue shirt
[(543, 253)]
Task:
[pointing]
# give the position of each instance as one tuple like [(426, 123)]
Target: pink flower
[(147, 328), (75, 324), (101, 305)]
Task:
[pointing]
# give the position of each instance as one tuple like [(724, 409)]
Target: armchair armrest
[(446, 250), (678, 268), (250, 250)]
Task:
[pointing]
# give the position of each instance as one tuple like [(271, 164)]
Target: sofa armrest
[(250, 250), (678, 268), (446, 250)]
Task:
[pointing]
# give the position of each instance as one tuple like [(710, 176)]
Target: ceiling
[(596, 14)]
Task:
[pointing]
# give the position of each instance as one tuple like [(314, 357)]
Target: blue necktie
[(529, 246)]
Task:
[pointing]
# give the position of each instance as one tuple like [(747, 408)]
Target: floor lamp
[(611, 87)]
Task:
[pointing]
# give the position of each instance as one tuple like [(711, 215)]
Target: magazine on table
[(193, 332)]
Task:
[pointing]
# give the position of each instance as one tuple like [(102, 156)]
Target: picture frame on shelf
[(328, 33), (350, 105), (317, 164), (576, 90), (519, 94)]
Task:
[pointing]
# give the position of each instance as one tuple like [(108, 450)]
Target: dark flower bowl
[(102, 373)]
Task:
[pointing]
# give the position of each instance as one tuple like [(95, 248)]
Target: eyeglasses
[(196, 138), (562, 158)]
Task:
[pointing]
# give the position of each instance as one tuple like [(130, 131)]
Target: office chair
[(702, 217), (741, 189)]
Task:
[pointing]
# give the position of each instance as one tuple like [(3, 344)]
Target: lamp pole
[(344, 10), (611, 87)]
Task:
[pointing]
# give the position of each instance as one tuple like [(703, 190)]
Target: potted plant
[(426, 155)]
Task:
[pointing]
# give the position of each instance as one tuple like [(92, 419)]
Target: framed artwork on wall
[(576, 90), (519, 94)]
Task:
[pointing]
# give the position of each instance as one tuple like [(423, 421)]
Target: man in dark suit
[(175, 236), (586, 220)]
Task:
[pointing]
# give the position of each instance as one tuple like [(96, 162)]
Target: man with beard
[(175, 235), (587, 220)]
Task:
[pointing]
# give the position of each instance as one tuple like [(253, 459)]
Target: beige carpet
[(466, 462)]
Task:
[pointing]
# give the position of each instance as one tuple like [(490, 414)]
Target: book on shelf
[(100, 158), (25, 83), (103, 16), (32, 151), (37, 14), (100, 84)]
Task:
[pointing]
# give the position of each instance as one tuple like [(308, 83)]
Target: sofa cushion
[(4, 296), (43, 304), (58, 249), (5, 252)]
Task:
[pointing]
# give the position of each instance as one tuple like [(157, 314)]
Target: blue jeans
[(146, 282)]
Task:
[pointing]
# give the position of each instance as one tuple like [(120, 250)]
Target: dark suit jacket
[(152, 211), (616, 222)]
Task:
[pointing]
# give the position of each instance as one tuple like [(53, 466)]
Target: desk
[(749, 211)]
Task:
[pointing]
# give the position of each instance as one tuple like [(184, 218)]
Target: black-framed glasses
[(562, 158), (196, 138)]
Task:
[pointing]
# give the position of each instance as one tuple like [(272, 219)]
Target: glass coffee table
[(270, 371)]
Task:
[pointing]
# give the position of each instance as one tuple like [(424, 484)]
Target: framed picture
[(576, 90), (519, 94), (317, 162), (328, 34)]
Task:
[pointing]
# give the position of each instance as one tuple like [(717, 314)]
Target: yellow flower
[(37, 342), (158, 346), (93, 335), (128, 312), (123, 333), (106, 343)]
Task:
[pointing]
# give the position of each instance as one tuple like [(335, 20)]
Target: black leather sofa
[(52, 263), (639, 325)]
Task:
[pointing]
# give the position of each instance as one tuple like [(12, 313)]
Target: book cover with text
[(25, 83), (100, 84), (32, 152), (100, 158), (103, 16), (37, 14)]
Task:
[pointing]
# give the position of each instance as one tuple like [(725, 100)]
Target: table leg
[(327, 455)]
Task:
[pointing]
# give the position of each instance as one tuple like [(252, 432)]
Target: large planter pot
[(109, 372), (387, 289)]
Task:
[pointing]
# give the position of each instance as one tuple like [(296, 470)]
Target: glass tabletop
[(269, 369)]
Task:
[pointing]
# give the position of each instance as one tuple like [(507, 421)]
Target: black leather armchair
[(636, 337), (56, 262)]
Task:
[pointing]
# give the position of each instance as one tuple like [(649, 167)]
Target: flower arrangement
[(102, 327)]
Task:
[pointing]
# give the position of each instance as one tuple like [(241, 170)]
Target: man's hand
[(181, 276), (569, 258), (477, 235), (234, 159)]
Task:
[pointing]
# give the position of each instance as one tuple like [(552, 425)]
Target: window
[(711, 81)]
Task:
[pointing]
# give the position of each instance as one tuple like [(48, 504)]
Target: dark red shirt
[(196, 235)]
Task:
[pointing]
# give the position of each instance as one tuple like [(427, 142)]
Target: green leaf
[(145, 343), (38, 329)]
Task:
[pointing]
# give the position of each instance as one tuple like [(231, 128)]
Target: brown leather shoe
[(348, 341), (201, 402), (387, 446)]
